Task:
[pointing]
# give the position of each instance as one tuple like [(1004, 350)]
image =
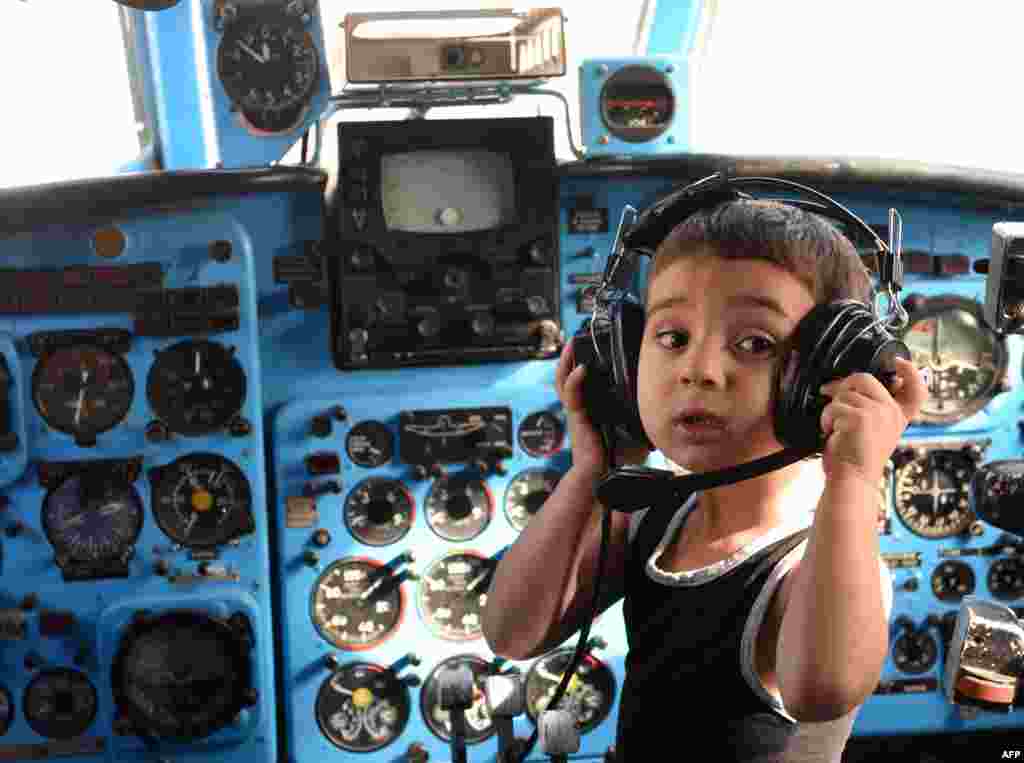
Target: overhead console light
[(454, 46)]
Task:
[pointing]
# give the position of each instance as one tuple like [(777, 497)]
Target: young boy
[(757, 612)]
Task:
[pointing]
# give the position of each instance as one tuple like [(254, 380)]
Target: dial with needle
[(253, 53)]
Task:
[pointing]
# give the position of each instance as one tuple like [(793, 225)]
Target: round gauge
[(1006, 578), (60, 703), (933, 493), (90, 520), (183, 675), (479, 725), (951, 581), (363, 707), (915, 653), (196, 387), (379, 511), (526, 493), (589, 695), (459, 507), (453, 592), (357, 604), (369, 444), (6, 710), (268, 66), (966, 359), (541, 434), (83, 390), (637, 103), (201, 500)]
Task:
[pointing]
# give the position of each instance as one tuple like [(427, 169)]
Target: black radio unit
[(447, 246)]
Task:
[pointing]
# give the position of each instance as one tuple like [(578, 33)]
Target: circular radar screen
[(588, 696), (363, 707), (269, 68), (379, 511), (453, 592), (459, 507), (201, 500), (89, 520), (60, 703), (196, 387), (526, 493), (479, 724), (357, 604), (182, 675), (83, 390)]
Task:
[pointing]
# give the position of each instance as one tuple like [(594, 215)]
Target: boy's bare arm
[(834, 634)]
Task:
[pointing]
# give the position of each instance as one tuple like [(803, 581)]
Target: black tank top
[(684, 685)]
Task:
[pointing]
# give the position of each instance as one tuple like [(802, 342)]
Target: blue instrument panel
[(360, 513)]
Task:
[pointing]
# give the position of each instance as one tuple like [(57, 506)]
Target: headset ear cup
[(627, 335)]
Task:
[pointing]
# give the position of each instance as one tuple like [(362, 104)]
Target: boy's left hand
[(863, 422)]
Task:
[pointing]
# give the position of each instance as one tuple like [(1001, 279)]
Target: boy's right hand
[(588, 453)]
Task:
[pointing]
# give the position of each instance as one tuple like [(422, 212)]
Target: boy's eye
[(675, 339), (758, 344)]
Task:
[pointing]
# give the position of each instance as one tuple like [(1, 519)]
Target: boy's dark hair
[(805, 244)]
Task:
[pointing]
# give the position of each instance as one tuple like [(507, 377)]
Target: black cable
[(608, 439)]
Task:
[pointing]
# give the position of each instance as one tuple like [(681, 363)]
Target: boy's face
[(707, 345)]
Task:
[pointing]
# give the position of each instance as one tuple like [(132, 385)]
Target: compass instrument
[(541, 434), (453, 592), (952, 581), (357, 604), (201, 500), (379, 511), (589, 695), (932, 492), (526, 493), (182, 674), (479, 724), (966, 360), (83, 390), (269, 68), (60, 703), (459, 507), (92, 522), (196, 387), (363, 707), (637, 103), (369, 444), (1006, 578)]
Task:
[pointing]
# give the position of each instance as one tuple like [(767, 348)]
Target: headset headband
[(643, 232)]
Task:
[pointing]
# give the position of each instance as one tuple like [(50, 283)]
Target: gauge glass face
[(452, 594), (196, 387), (379, 511), (357, 604), (91, 520), (182, 675), (915, 653), (479, 724), (1006, 578), (459, 507), (268, 67), (83, 390), (370, 444), (588, 697), (541, 434), (526, 493), (202, 500), (363, 707), (933, 493), (60, 703), (637, 103), (952, 581), (965, 360)]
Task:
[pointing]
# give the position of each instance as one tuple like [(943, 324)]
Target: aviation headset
[(833, 340)]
